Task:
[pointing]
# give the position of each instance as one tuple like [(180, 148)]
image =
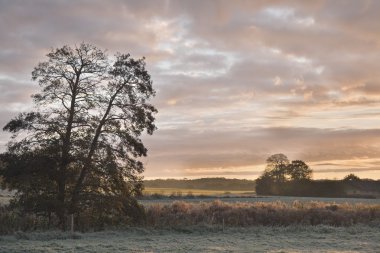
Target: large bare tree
[(81, 141)]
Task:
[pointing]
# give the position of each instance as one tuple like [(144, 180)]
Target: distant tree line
[(219, 183), (356, 187), (285, 178)]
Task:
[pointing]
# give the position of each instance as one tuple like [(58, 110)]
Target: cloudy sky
[(236, 81)]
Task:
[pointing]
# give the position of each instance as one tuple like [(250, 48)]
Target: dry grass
[(219, 214), (180, 213)]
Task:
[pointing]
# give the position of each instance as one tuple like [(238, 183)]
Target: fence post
[(72, 223)]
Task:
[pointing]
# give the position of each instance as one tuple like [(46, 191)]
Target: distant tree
[(351, 177), (80, 144), (281, 177), (277, 160), (299, 170), (274, 174), (276, 168)]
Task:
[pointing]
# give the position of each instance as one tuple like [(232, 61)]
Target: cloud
[(350, 170), (217, 150), (236, 80)]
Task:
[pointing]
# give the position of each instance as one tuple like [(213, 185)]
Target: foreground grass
[(320, 238)]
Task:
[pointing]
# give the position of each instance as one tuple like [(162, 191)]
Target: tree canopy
[(279, 171), (299, 170), (79, 147), (294, 178), (277, 166), (351, 177)]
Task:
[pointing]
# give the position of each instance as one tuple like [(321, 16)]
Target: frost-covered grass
[(321, 238), (222, 227)]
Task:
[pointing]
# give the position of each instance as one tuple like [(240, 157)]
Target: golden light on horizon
[(236, 81)]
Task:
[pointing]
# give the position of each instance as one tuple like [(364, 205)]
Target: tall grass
[(181, 213)]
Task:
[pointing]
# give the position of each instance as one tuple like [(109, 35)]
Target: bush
[(11, 220), (14, 219)]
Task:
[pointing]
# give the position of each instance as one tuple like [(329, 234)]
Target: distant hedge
[(319, 188), (218, 183)]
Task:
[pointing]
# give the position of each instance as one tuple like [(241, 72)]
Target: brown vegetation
[(181, 213)]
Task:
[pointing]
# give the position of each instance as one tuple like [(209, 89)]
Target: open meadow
[(201, 239), (252, 199), (149, 191), (224, 226)]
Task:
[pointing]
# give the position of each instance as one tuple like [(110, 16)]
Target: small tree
[(82, 139), (351, 178), (299, 170), (277, 167)]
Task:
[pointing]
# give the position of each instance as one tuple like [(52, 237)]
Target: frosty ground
[(212, 237), (356, 238)]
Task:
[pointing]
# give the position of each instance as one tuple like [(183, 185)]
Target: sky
[(236, 81)]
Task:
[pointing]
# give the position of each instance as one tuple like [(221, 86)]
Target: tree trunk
[(88, 162), (65, 159), (61, 206)]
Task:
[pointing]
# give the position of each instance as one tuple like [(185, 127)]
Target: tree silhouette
[(87, 122), (351, 177), (277, 165), (281, 177), (299, 170)]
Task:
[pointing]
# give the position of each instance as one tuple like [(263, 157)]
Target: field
[(202, 239), (253, 198), (230, 224), (192, 192)]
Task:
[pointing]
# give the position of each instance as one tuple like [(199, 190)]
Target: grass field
[(201, 239), (223, 226), (194, 192)]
